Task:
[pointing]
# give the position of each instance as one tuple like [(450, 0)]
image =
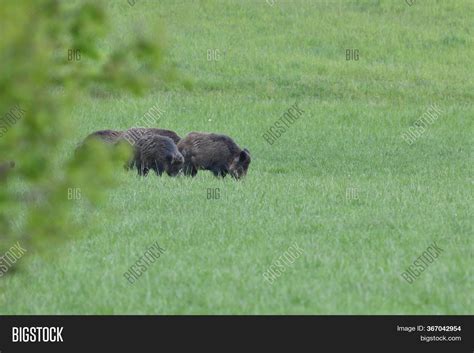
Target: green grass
[(349, 137)]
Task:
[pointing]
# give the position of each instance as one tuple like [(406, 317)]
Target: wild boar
[(158, 153), (214, 152)]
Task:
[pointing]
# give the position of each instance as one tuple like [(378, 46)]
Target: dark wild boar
[(214, 152), (158, 153)]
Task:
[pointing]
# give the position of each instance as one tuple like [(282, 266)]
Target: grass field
[(359, 201)]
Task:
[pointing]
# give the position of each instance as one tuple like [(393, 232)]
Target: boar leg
[(219, 172), (189, 169), (157, 169), (142, 169)]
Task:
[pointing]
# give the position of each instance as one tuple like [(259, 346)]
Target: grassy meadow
[(360, 202)]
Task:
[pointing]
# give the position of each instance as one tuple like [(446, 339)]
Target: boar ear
[(243, 155)]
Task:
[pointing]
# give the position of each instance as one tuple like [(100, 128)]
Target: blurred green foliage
[(39, 75)]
